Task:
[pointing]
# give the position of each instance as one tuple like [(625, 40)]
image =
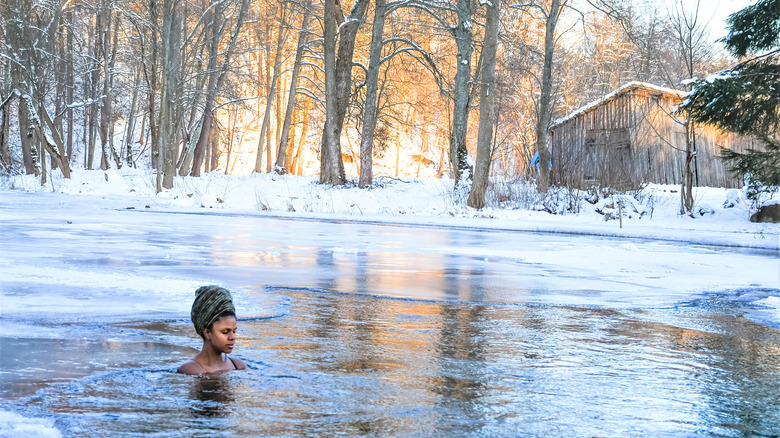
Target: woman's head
[(211, 303)]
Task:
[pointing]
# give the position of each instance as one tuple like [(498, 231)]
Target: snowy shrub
[(521, 194), (562, 200), (611, 203), (646, 196), (758, 193), (512, 194)]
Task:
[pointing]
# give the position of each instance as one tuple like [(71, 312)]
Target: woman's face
[(223, 334)]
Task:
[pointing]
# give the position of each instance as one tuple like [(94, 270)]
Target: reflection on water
[(345, 364), (214, 393)]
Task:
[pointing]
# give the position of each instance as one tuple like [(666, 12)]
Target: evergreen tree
[(746, 98)]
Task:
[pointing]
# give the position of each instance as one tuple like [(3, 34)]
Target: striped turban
[(211, 303)]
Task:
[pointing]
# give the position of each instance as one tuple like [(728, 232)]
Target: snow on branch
[(14, 93), (425, 7), (89, 102), (233, 101), (307, 92), (313, 83)]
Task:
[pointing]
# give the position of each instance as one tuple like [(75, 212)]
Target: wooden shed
[(631, 136)]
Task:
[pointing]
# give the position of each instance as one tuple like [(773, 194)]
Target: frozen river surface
[(360, 329)]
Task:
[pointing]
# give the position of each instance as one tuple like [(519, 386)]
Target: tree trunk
[(130, 132), (269, 99), (211, 95), (297, 162), (110, 72), (214, 159), (104, 30), (329, 167), (461, 105), (545, 111), (29, 149), (5, 120), (288, 153), (59, 93), (5, 150), (338, 84), (168, 125), (69, 82), (282, 158), (150, 71), (370, 113), (686, 187), (91, 92), (487, 107), (216, 79), (51, 144), (42, 154)]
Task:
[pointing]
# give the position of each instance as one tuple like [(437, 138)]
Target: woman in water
[(214, 318)]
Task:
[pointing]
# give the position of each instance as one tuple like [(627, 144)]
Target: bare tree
[(195, 156), (543, 122), (692, 44), (339, 32), (30, 32)]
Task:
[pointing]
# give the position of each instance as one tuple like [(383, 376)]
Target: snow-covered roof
[(626, 87)]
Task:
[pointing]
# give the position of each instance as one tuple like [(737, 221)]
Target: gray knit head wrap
[(211, 302)]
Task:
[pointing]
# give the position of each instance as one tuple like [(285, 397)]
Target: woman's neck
[(210, 355)]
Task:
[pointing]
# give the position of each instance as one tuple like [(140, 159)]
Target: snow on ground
[(722, 215), (722, 219)]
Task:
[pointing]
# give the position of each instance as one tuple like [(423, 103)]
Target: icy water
[(365, 330)]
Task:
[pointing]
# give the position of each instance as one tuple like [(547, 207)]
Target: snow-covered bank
[(722, 215)]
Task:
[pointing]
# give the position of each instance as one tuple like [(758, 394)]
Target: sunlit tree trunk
[(297, 162), (370, 110), (330, 171), (463, 34), (545, 108), (196, 157), (207, 120), (338, 84), (487, 107), (282, 156), (269, 98)]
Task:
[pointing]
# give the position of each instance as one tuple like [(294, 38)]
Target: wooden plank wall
[(586, 149)]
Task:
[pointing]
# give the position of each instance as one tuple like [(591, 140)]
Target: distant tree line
[(176, 83)]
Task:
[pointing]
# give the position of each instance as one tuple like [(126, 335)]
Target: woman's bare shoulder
[(190, 367), (240, 365)]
